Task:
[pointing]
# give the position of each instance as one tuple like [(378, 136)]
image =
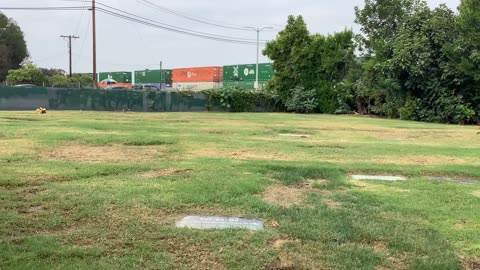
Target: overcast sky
[(126, 46)]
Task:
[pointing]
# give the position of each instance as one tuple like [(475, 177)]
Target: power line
[(185, 32), (84, 40), (80, 20), (145, 21), (172, 26), (44, 8), (196, 19)]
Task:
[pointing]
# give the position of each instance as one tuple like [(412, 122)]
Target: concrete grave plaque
[(211, 222), (379, 177), (454, 180)]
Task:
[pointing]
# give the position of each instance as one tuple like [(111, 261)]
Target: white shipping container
[(196, 86)]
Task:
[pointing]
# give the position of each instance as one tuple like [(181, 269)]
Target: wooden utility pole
[(94, 31), (70, 37)]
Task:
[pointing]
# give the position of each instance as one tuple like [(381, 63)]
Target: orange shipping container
[(198, 74)]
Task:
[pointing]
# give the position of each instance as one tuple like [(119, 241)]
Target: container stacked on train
[(244, 76), (117, 78), (153, 77), (198, 78)]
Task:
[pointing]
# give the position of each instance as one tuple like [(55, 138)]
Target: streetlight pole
[(258, 30), (94, 33)]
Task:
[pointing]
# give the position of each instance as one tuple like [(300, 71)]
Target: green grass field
[(97, 190)]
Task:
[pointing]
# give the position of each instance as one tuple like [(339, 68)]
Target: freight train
[(192, 79)]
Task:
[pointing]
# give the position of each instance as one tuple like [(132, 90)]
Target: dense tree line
[(13, 49), (30, 74), (409, 61)]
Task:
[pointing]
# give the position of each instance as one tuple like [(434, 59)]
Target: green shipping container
[(153, 76), (247, 85), (247, 72), (119, 76)]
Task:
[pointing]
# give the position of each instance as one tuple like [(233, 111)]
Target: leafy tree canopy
[(13, 48)]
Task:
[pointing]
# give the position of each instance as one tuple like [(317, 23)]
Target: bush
[(235, 99), (302, 101)]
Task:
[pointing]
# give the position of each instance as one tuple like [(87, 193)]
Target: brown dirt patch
[(280, 243), (32, 190), (194, 255), (284, 196), (476, 193), (379, 247), (290, 196), (471, 263), (115, 153), (281, 263), (247, 154), (332, 204), (47, 178), (164, 172), (32, 210), (422, 160)]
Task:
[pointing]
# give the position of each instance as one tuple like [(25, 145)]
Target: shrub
[(302, 101)]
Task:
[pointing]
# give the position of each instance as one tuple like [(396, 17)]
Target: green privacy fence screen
[(12, 98)]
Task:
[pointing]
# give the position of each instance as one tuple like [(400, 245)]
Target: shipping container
[(196, 86), (247, 85), (153, 76), (119, 78), (198, 74), (247, 72)]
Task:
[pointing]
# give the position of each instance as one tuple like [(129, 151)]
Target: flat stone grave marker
[(454, 180), (294, 135), (379, 177), (213, 222)]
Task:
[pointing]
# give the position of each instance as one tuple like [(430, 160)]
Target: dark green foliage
[(13, 49), (302, 101), (28, 74), (418, 63), (285, 52), (239, 100), (310, 63), (63, 81)]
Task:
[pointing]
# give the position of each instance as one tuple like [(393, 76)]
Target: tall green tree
[(290, 42), (307, 67), (377, 90), (380, 21), (13, 48), (422, 61), (467, 52)]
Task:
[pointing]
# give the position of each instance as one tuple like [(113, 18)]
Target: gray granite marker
[(212, 222), (379, 177), (454, 180)]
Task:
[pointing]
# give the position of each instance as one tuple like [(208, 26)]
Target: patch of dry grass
[(115, 153), (369, 186), (17, 146), (284, 196), (164, 172), (291, 196), (193, 254), (471, 263), (244, 154)]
